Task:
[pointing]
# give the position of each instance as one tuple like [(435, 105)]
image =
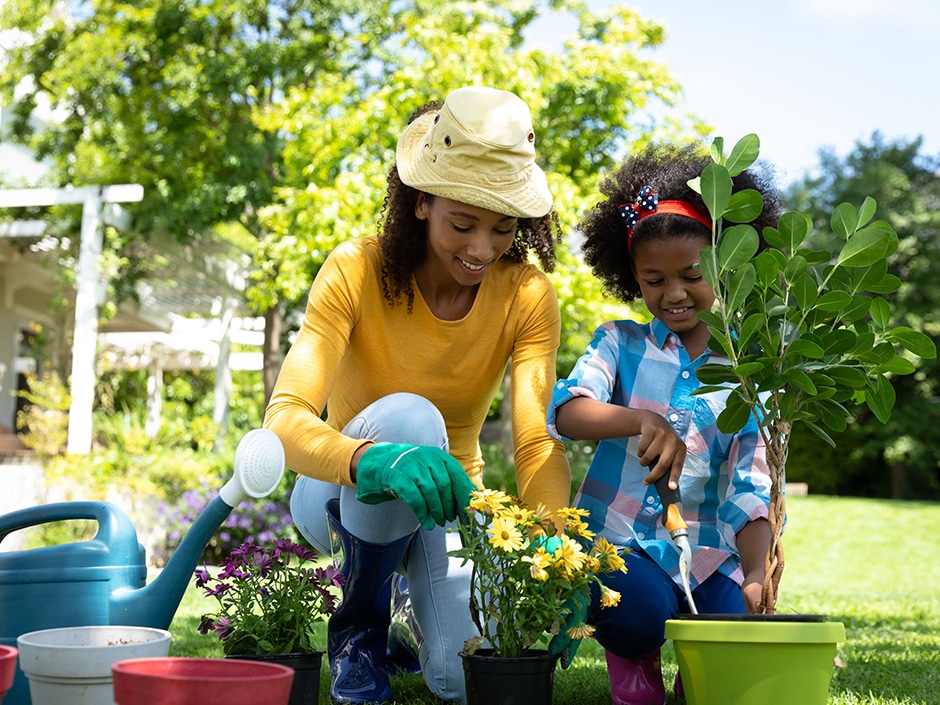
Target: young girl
[(632, 392)]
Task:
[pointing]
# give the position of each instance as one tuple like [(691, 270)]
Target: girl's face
[(464, 241), (673, 287)]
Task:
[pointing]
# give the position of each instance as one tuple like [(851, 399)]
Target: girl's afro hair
[(667, 169)]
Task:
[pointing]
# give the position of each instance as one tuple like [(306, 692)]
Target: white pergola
[(201, 279)]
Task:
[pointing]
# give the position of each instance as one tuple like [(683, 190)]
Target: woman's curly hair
[(667, 169), (403, 237)]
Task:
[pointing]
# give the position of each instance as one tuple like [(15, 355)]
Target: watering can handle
[(114, 526)]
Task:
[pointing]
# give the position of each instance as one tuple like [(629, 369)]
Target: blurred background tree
[(901, 458)]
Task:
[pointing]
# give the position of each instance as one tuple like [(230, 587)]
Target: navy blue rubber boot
[(357, 632)]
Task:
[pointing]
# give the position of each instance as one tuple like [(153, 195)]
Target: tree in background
[(900, 458), (273, 122)]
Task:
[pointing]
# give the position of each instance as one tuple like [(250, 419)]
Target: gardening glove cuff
[(427, 479)]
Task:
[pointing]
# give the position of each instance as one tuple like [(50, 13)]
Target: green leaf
[(833, 415), (794, 269), (717, 150), (844, 221), (744, 206), (794, 228), (748, 369), (896, 366), (880, 312), (741, 284), (880, 397), (743, 154), (716, 189), (857, 309), (711, 318), (834, 301), (708, 267), (773, 237), (735, 415), (800, 379), (769, 267), (848, 376), (805, 290), (888, 284), (713, 373), (737, 245), (838, 341), (749, 328), (806, 348), (820, 432), (867, 211), (913, 341), (864, 248)]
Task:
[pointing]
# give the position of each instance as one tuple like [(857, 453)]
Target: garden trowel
[(679, 530)]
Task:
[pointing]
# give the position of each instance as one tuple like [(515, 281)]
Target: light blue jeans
[(438, 585)]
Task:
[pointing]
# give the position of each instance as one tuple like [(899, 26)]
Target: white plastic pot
[(73, 664)]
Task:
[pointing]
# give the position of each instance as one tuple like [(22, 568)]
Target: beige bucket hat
[(479, 148)]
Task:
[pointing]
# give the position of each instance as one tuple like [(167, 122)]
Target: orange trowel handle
[(672, 507)]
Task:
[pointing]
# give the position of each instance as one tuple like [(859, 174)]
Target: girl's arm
[(753, 541), (591, 419)]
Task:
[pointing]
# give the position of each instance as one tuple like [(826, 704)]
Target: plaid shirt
[(725, 482)]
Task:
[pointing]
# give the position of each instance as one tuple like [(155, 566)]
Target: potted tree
[(269, 605), (808, 333), (526, 576)]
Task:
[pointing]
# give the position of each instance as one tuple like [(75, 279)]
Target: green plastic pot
[(772, 660)]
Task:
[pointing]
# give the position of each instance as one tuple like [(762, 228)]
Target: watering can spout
[(155, 604), (259, 467)]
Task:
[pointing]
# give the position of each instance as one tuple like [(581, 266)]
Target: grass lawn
[(872, 564)]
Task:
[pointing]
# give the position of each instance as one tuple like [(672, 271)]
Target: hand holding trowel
[(679, 530)]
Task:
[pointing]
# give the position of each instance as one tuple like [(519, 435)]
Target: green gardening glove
[(561, 644), (427, 479)]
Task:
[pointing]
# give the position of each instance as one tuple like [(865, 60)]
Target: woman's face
[(672, 285), (463, 240)]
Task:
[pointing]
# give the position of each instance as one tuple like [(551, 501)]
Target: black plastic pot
[(305, 689), (518, 680)]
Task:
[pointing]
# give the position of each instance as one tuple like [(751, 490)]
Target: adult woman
[(405, 340)]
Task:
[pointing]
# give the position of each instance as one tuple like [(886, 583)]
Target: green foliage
[(900, 458), (43, 424), (807, 331)]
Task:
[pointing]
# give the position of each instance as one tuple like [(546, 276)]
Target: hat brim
[(527, 196)]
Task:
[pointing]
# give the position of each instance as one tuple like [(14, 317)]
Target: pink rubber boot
[(636, 681)]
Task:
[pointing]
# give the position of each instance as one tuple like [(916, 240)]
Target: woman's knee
[(401, 417)]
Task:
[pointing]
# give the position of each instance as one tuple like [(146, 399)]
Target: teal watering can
[(103, 581)]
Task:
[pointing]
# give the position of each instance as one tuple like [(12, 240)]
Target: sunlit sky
[(803, 74)]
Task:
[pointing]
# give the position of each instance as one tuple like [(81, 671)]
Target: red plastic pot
[(200, 681), (7, 668)]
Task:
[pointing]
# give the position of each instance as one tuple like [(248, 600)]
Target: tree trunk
[(271, 350), (778, 441)]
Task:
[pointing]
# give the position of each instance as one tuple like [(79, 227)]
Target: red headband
[(647, 203)]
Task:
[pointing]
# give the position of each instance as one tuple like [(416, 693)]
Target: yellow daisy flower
[(539, 562), (505, 535), (487, 501), (579, 528), (570, 554), (608, 555), (609, 598), (581, 631)]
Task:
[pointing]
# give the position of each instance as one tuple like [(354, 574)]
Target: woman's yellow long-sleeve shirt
[(354, 348)]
